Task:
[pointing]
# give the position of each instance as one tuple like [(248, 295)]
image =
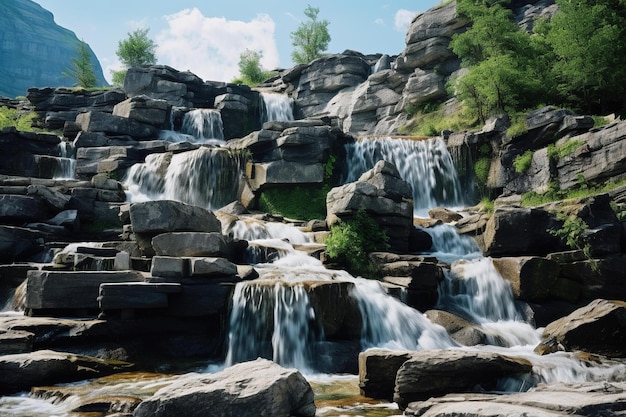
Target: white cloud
[(379, 22), (210, 46), (403, 19)]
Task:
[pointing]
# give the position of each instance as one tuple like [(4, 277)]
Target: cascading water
[(276, 107), (205, 177), (425, 164), (66, 161), (199, 126)]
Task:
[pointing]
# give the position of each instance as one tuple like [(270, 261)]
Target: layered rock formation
[(34, 50)]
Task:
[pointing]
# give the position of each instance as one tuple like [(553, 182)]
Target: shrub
[(522, 162), (350, 242), (566, 149), (518, 126), (302, 203), (481, 170), (13, 118)]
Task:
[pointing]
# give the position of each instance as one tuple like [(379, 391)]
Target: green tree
[(588, 38), (311, 38), (250, 70), (505, 74), (133, 51), (82, 71)]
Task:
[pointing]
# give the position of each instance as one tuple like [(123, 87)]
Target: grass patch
[(430, 121), (554, 193), (486, 204), (568, 148), (522, 162), (299, 202), (13, 118), (599, 121), (350, 242), (518, 126), (481, 170)]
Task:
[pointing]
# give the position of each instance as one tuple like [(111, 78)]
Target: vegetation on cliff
[(576, 60)]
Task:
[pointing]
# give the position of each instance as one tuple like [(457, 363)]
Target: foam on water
[(276, 107)]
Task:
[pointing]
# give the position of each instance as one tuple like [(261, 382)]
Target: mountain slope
[(34, 50)]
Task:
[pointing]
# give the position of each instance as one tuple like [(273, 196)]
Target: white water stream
[(66, 162), (425, 164), (202, 126), (276, 107)]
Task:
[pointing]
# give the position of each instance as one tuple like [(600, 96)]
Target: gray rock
[(169, 267), (557, 400), (377, 372), (54, 199), (531, 277), (596, 328), (115, 125), (192, 244), (461, 330), (144, 110), (284, 172), (16, 243), (437, 372), (21, 208), (24, 370), (171, 216), (212, 267), (69, 289), (245, 389), (135, 295)]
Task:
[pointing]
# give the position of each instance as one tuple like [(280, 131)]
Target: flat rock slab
[(136, 295), (24, 370), (248, 389), (431, 373), (559, 400)]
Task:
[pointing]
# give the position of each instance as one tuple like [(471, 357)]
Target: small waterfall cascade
[(449, 245), (276, 107), (199, 126), (66, 168), (208, 177), (425, 164)]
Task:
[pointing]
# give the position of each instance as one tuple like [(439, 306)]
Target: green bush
[(302, 203), (481, 170), (350, 242), (522, 162), (566, 149), (518, 126), (13, 118)]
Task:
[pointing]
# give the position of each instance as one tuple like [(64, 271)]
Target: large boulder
[(152, 218), (254, 388), (599, 327), (531, 277), (95, 121), (437, 372), (513, 231), (22, 371), (195, 244), (383, 195), (377, 372), (144, 110)]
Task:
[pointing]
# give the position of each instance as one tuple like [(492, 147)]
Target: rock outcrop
[(35, 51), (383, 195), (245, 389)]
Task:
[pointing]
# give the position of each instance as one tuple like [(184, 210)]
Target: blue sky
[(207, 37)]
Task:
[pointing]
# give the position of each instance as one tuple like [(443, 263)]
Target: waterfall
[(66, 162), (199, 126), (276, 107), (205, 177), (449, 245), (425, 164), (282, 321)]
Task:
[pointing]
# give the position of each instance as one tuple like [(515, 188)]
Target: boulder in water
[(377, 372), (599, 327), (22, 371), (254, 388), (437, 372)]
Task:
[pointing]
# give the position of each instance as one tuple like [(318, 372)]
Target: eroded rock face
[(245, 389), (598, 328)]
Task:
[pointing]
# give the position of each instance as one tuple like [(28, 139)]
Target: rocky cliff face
[(34, 50)]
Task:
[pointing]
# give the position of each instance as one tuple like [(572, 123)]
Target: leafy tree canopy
[(311, 38), (137, 49), (82, 70), (250, 70)]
